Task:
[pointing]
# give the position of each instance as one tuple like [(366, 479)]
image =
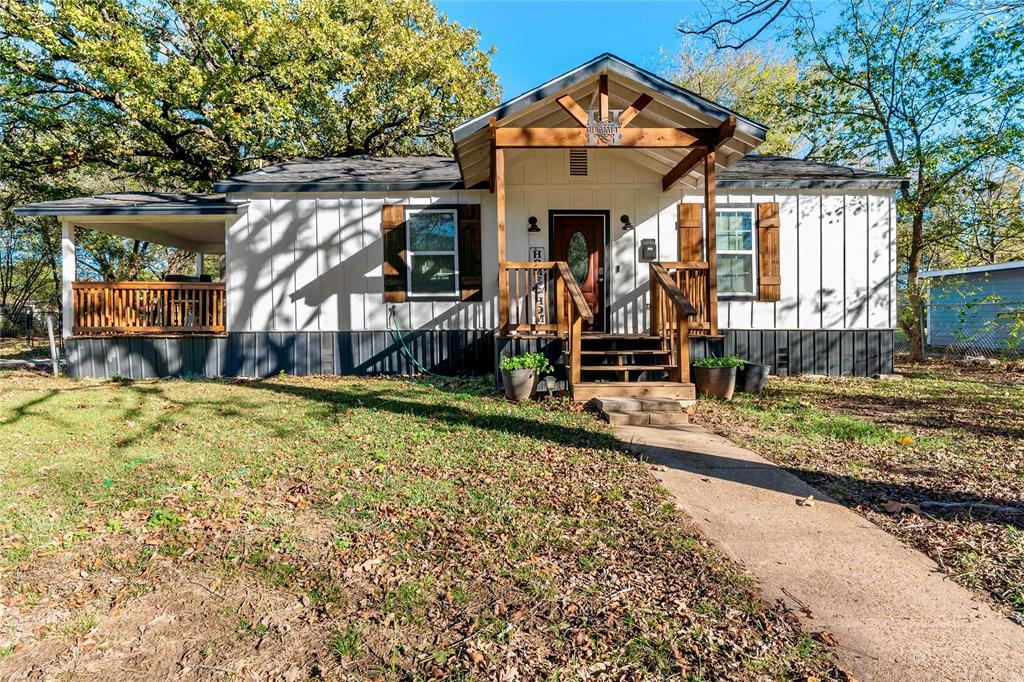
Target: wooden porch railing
[(670, 313), (546, 300), (148, 308), (694, 281)]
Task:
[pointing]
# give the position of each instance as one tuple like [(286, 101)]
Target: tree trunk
[(912, 321)]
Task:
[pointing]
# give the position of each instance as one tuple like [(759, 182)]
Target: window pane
[(734, 230), (735, 274), (433, 274), (579, 257), (432, 231)]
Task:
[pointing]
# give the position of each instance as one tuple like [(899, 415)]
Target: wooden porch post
[(68, 270), (499, 196), (712, 255), (199, 264)]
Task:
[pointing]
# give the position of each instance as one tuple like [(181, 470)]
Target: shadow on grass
[(847, 490)]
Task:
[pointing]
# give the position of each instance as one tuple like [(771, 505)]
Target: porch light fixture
[(626, 226), (534, 227)]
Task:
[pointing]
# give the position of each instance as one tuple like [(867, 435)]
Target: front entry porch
[(561, 297)]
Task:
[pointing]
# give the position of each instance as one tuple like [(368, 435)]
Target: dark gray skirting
[(448, 352), (263, 354), (848, 352)]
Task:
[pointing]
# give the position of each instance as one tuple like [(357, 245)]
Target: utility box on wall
[(648, 251)]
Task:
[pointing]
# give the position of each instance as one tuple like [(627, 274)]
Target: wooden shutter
[(395, 266), (470, 266), (691, 236), (768, 274)]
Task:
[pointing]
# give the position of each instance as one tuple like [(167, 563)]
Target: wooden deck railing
[(693, 280), (148, 308), (546, 300), (670, 313)]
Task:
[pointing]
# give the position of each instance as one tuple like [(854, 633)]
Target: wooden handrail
[(148, 307), (572, 287), (670, 312), (674, 293)]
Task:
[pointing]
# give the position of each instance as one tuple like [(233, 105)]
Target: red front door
[(579, 241)]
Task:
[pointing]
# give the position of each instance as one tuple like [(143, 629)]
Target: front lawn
[(937, 459), (343, 528)]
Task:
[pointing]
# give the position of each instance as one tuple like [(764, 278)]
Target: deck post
[(712, 255), (499, 200), (199, 264), (68, 270)]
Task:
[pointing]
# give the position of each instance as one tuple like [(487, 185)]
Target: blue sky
[(537, 41)]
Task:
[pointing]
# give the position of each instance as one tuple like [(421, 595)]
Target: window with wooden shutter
[(769, 279), (470, 259), (691, 237), (395, 266)]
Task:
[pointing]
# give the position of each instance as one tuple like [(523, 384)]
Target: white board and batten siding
[(837, 259), (313, 261)]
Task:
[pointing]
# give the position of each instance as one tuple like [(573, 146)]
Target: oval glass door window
[(579, 256)]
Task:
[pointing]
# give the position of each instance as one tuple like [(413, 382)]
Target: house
[(616, 221), (976, 309)]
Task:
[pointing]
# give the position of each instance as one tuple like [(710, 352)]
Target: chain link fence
[(23, 334), (983, 329)]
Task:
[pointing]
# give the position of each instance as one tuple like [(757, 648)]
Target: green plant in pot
[(715, 377), (520, 374)]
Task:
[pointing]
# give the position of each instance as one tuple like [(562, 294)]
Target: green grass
[(397, 525)]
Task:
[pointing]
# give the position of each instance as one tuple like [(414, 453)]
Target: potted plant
[(716, 376), (750, 378), (520, 374)]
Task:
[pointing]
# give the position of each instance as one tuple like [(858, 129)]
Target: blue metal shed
[(979, 308)]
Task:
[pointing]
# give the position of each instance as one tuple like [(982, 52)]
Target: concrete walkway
[(894, 613)]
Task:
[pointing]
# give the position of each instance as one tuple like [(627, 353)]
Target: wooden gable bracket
[(723, 133), (574, 110), (553, 138)]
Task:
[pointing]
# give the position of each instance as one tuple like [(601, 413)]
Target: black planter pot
[(715, 382), (752, 377)]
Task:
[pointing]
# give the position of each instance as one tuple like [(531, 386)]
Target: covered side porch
[(681, 140), (192, 304)]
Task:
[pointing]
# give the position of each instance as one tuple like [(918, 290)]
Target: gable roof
[(671, 106), (609, 63)]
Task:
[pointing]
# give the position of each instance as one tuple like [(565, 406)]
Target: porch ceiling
[(671, 107), (194, 222), (203, 234)]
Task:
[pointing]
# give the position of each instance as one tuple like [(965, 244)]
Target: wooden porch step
[(588, 390), (626, 337), (619, 368), (639, 351)]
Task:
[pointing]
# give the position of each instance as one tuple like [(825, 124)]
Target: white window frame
[(752, 251), (409, 252)]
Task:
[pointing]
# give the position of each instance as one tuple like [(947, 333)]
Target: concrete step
[(647, 418), (626, 404)]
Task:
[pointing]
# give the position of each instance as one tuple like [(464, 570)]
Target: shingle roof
[(133, 203), (766, 171), (349, 174), (439, 172), (366, 174)]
